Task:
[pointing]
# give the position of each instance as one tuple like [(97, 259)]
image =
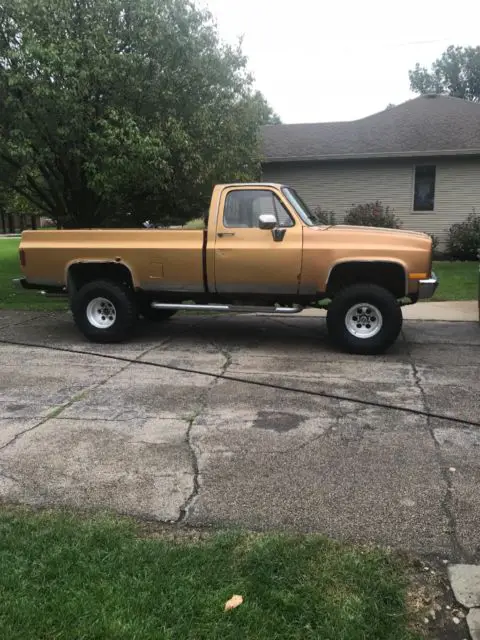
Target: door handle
[(223, 234)]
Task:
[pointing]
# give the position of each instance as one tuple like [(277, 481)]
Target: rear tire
[(364, 319), (105, 311)]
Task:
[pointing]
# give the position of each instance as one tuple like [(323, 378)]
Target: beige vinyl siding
[(338, 186)]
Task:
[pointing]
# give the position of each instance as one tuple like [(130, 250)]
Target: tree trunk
[(11, 223), (4, 222), (33, 221)]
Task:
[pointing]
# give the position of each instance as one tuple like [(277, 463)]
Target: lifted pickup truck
[(261, 251)]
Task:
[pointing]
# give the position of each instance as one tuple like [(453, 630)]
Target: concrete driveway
[(85, 431)]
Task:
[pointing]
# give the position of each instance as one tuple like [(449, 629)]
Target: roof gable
[(428, 125)]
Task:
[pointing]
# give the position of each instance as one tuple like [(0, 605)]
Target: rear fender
[(97, 269)]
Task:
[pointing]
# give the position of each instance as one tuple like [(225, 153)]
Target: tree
[(114, 111), (455, 73), (265, 113), (4, 220), (15, 211)]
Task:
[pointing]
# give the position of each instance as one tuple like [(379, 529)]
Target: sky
[(318, 61)]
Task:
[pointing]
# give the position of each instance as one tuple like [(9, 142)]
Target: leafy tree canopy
[(114, 111), (455, 73)]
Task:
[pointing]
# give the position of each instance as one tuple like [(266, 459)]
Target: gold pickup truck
[(261, 251)]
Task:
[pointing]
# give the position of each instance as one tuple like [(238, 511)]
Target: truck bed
[(159, 259)]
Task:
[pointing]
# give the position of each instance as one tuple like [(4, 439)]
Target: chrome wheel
[(101, 313), (363, 320)]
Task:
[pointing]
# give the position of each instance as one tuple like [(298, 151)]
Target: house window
[(424, 191)]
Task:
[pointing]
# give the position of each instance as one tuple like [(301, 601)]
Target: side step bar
[(54, 294), (228, 308)]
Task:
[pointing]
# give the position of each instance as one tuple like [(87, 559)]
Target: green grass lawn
[(458, 281), (67, 577), (12, 298)]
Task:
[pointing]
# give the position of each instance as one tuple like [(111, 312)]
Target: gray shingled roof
[(428, 125)]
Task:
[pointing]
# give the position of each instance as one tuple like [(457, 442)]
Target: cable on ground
[(257, 383)]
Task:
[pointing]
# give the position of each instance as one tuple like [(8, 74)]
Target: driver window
[(243, 209)]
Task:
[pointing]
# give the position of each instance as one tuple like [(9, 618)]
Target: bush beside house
[(372, 214), (463, 241), (435, 242), (323, 216)]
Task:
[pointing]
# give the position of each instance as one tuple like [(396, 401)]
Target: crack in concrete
[(54, 413), (187, 505), (9, 477), (447, 500), (228, 361), (185, 508), (17, 324), (18, 435)]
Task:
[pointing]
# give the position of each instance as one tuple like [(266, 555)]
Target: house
[(422, 158)]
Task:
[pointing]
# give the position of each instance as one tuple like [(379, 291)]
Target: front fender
[(373, 267)]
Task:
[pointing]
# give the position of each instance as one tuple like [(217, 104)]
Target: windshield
[(300, 207)]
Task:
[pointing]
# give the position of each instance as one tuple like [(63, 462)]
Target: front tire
[(104, 311), (364, 319)]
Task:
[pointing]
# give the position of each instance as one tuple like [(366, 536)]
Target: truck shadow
[(299, 335)]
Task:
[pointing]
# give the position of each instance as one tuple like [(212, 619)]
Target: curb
[(465, 583)]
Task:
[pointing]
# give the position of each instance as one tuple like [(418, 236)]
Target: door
[(250, 260)]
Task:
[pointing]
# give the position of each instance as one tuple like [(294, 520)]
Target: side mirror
[(267, 221)]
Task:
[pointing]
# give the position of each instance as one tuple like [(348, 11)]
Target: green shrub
[(435, 245), (463, 241), (323, 216), (372, 214), (435, 241), (196, 223)]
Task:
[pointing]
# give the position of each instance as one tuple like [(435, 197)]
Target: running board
[(228, 308), (54, 294)]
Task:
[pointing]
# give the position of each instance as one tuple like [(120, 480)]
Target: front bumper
[(426, 288)]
